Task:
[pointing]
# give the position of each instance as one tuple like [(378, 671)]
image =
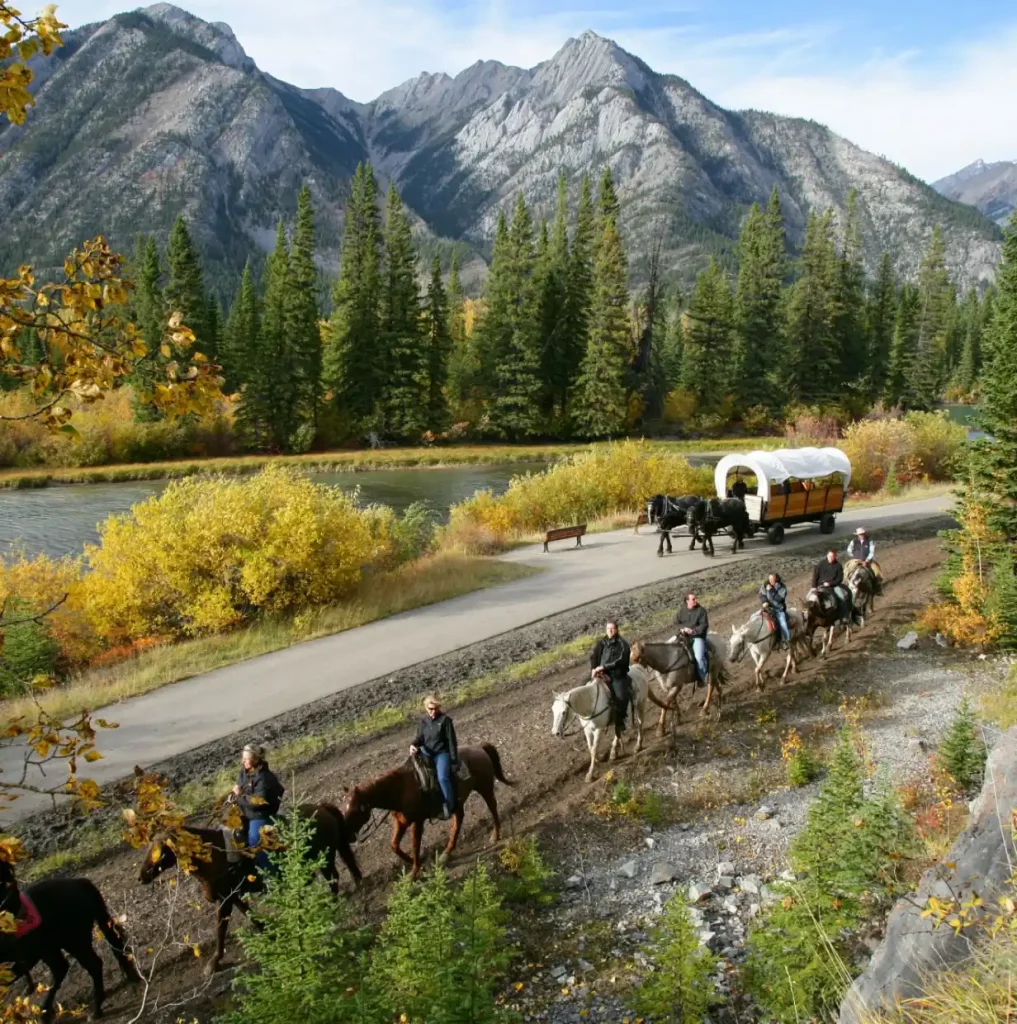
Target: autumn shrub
[(29, 649), (680, 407), (526, 875), (209, 554), (608, 479), (877, 449), (937, 443), (758, 420), (811, 428)]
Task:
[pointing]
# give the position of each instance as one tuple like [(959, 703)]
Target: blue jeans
[(780, 614), (699, 653), (443, 769), (261, 857)]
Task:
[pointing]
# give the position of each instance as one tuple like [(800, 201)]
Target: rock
[(584, 966), (725, 867), (767, 895), (919, 746), (908, 642), (942, 640), (663, 871), (696, 917), (980, 861), (749, 884), (558, 973), (730, 906), (788, 876), (574, 882), (765, 813), (706, 937), (629, 869), (699, 892), (725, 883), (754, 909), (650, 842)]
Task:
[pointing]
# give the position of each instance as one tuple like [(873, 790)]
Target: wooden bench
[(564, 532)]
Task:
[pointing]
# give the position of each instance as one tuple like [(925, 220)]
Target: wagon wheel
[(775, 534), (827, 523)]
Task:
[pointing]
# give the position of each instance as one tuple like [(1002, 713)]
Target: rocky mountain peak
[(591, 61), (215, 36)]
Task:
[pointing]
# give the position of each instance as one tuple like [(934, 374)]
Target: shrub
[(680, 990), (608, 479), (680, 406), (527, 874), (28, 650), (961, 750), (877, 450), (758, 420), (209, 554), (807, 428), (800, 765), (937, 442)]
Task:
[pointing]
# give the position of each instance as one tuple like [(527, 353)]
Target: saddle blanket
[(29, 919)]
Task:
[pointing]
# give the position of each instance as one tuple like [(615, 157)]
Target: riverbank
[(433, 457)]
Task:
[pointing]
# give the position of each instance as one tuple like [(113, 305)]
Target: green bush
[(413, 533), (680, 990), (27, 650), (526, 873), (961, 749)]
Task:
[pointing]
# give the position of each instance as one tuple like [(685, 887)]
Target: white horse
[(591, 705), (760, 641)]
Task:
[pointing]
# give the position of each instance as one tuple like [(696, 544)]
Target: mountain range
[(156, 112), (991, 188)]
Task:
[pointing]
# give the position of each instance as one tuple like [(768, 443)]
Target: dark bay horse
[(68, 908), (669, 514), (823, 612), (712, 515), (399, 791), (228, 884)]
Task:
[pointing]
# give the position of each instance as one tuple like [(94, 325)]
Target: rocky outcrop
[(980, 862), (990, 188), (157, 112)]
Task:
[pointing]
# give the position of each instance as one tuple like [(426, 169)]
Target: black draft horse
[(68, 909), (669, 514), (710, 516)]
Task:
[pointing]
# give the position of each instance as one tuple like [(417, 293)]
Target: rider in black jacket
[(694, 623), (436, 740), (774, 593), (612, 655), (258, 794)]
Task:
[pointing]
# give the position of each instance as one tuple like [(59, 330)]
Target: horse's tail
[(112, 932), (492, 753)]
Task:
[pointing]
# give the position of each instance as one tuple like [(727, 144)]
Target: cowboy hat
[(860, 532)]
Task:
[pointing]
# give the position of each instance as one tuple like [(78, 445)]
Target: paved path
[(189, 714)]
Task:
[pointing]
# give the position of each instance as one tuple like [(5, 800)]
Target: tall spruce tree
[(602, 388), (904, 349), (709, 337), (579, 284), (403, 394), (971, 323), (762, 268), (929, 369), (437, 349), (240, 338), (559, 358), (185, 285), (302, 315), (850, 313), (354, 367), (150, 315), (880, 315), (464, 368), (813, 358)]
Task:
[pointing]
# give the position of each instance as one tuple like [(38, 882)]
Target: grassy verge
[(344, 461), (914, 492), (426, 581)]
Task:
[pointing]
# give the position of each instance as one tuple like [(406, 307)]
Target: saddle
[(236, 848), (428, 777), (686, 642), (767, 615)]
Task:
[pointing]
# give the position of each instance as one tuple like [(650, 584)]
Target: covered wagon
[(793, 485)]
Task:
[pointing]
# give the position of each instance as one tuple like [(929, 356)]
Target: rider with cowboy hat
[(611, 657), (436, 741), (258, 794), (863, 550)]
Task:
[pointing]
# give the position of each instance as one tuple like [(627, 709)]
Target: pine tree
[(813, 358), (579, 282), (961, 749), (880, 316), (904, 349), (706, 358), (216, 326), (762, 267), (464, 368), (438, 348), (403, 394), (150, 315), (971, 323), (849, 324), (303, 332), (240, 337), (601, 390), (354, 367), (185, 286), (929, 369), (558, 356), (608, 209), (510, 354)]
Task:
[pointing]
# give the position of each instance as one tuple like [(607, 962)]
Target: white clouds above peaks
[(933, 112)]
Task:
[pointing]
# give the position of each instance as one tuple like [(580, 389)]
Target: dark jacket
[(437, 736), (612, 655), (864, 551), (260, 795), (740, 489), (695, 619), (828, 574), (775, 595)]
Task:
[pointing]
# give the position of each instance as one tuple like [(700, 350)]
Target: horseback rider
[(611, 656), (693, 624), (436, 741), (258, 794), (828, 575), (863, 550), (773, 594)]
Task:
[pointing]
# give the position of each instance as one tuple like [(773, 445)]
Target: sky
[(928, 84)]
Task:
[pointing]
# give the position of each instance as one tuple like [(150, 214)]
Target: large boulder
[(979, 862)]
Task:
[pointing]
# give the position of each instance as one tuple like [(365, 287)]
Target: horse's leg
[(615, 745), (492, 806), (637, 721), (787, 665), (349, 858), (58, 967), (329, 872), (416, 835), (222, 922), (592, 740), (86, 955), (453, 834), (399, 827)]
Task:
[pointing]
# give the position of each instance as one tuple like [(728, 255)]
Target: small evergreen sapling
[(961, 750)]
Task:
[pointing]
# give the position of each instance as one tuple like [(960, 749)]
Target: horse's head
[(357, 811), (737, 645), (159, 857), (559, 715), (654, 508), (10, 900)]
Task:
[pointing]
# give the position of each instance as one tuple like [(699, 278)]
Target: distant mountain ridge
[(990, 188), (155, 112)]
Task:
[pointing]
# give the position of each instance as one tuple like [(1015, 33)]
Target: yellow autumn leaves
[(21, 39)]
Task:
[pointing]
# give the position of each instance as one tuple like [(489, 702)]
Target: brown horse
[(399, 791), (228, 884)]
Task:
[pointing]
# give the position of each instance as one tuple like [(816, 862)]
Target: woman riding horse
[(436, 741), (258, 794)]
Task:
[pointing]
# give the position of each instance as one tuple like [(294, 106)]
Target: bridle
[(570, 711)]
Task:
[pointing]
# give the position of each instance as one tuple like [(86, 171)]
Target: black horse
[(710, 516), (669, 514), (69, 908)]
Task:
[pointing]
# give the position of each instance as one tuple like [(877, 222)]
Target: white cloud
[(931, 121)]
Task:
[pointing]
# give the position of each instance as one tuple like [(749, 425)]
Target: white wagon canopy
[(785, 493)]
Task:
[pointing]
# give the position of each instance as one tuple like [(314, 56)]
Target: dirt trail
[(549, 772)]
